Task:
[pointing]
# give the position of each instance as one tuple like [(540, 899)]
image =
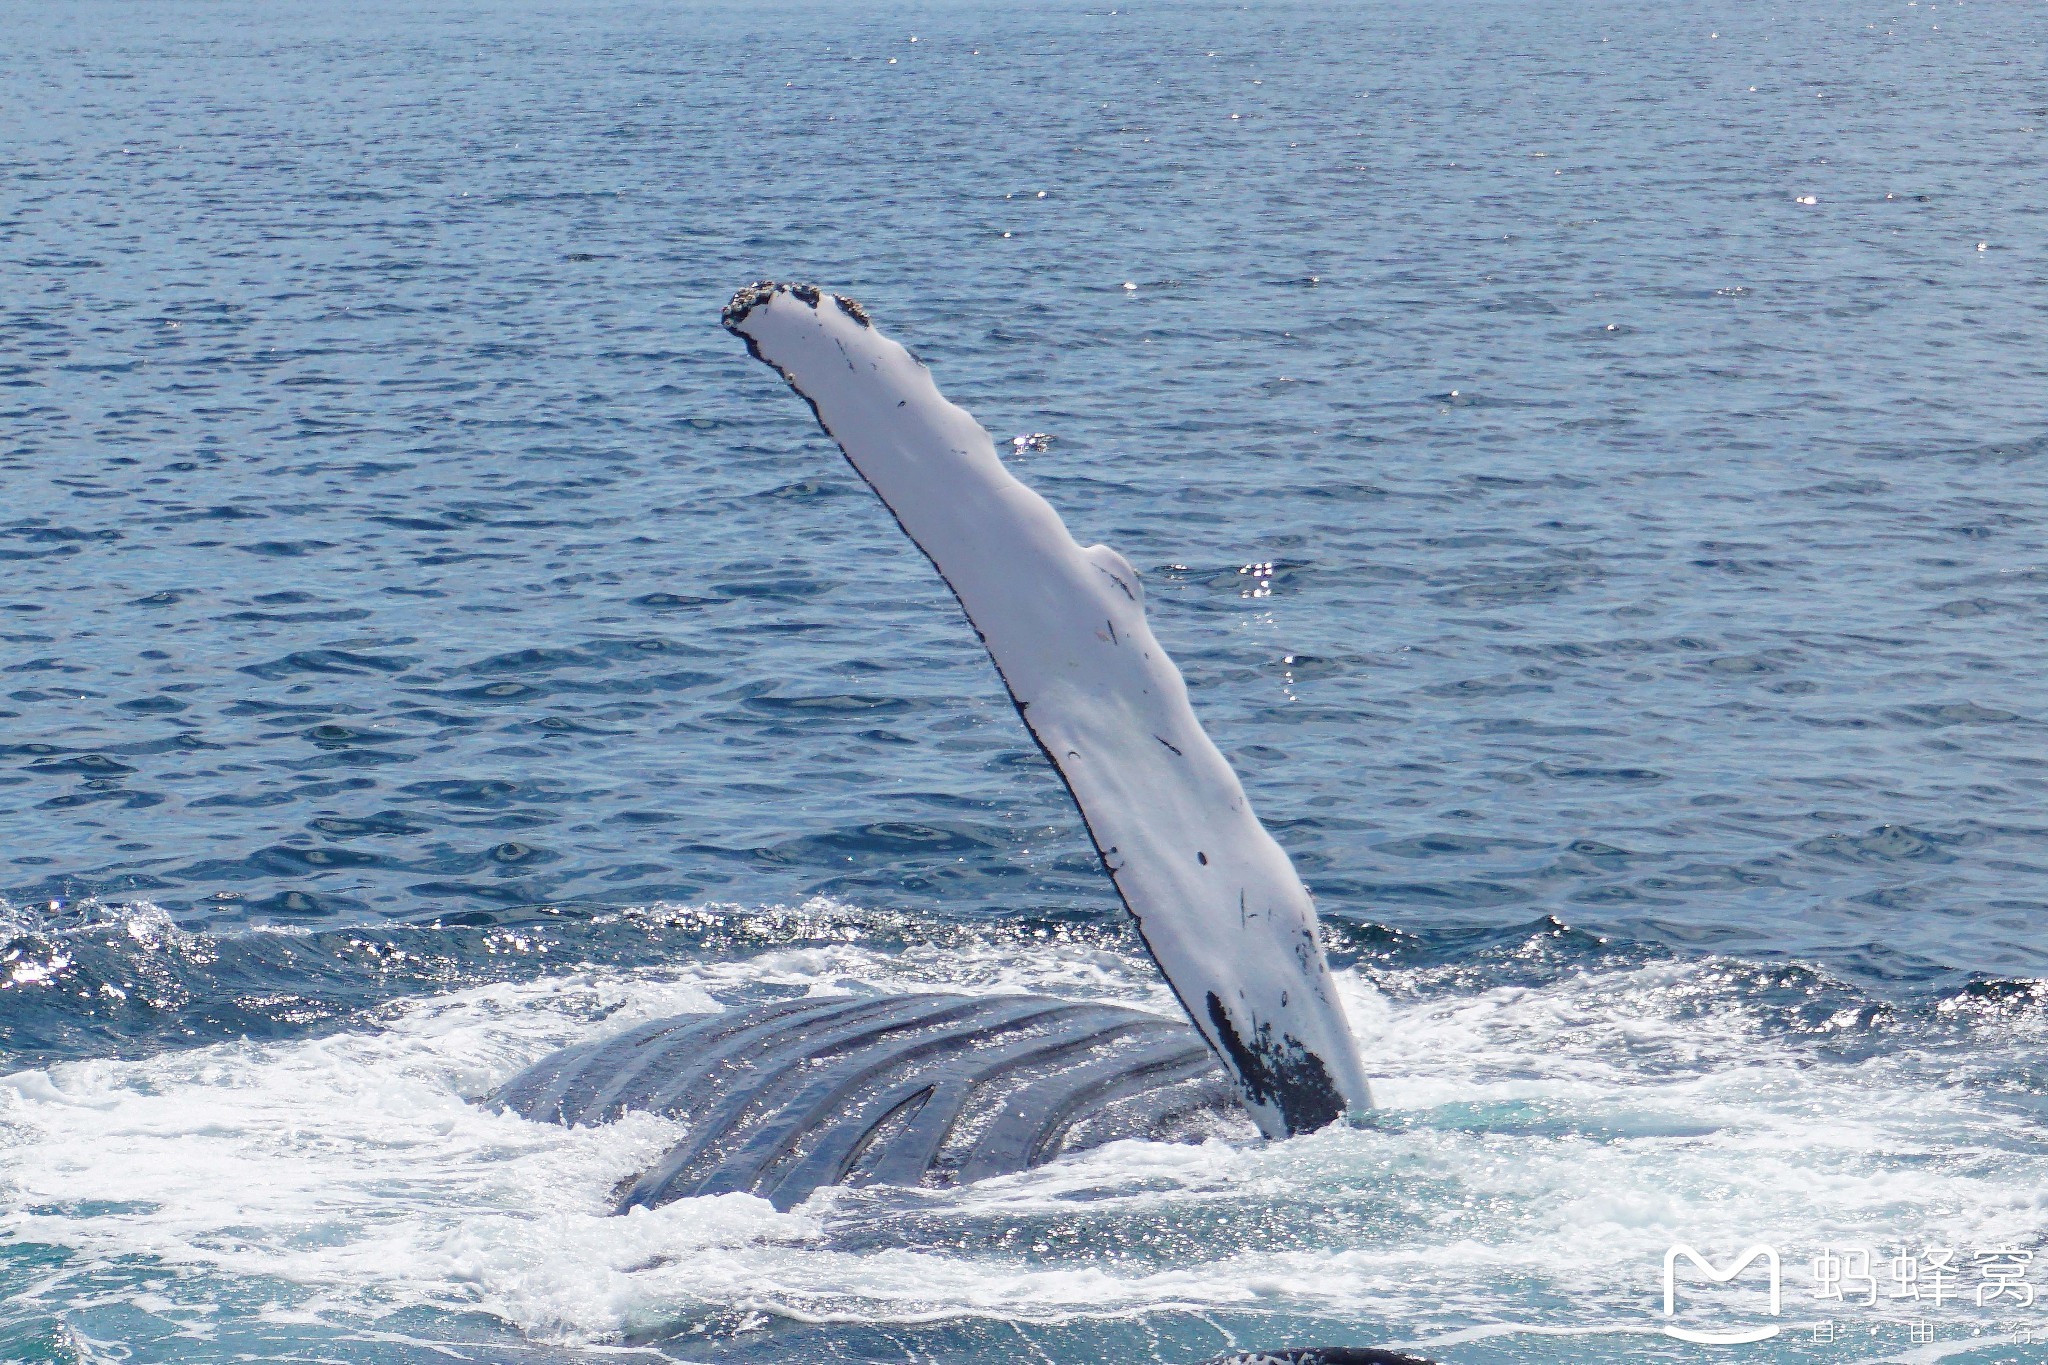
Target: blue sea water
[(1590, 462)]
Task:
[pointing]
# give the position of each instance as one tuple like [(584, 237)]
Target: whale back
[(782, 1099)]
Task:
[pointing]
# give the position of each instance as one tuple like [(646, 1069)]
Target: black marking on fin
[(1284, 1074)]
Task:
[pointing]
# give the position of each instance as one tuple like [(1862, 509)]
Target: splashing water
[(1557, 1111)]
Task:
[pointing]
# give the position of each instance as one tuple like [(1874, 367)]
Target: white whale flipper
[(1216, 899)]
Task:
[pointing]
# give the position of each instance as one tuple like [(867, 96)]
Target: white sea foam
[(1558, 1137)]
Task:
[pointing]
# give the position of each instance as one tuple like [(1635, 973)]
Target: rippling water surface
[(1590, 462)]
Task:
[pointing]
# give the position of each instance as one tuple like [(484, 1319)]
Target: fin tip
[(747, 299)]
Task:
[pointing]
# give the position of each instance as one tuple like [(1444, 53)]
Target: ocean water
[(1590, 461)]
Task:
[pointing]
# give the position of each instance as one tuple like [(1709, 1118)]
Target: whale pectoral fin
[(1217, 901)]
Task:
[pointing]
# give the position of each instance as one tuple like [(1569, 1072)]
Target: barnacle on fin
[(746, 300)]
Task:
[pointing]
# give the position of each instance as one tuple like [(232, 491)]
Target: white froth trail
[(1540, 1148)]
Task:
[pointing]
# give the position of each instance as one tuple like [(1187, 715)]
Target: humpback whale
[(785, 1098)]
